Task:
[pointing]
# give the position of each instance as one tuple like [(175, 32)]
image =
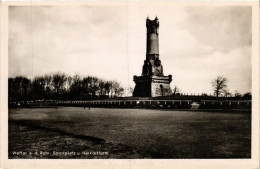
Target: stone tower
[(152, 82)]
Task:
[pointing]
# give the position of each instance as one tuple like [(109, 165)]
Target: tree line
[(220, 89), (63, 87), (59, 86)]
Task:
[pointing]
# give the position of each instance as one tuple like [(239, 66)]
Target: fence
[(171, 104), (161, 104)]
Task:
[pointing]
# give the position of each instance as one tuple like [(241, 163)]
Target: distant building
[(152, 82)]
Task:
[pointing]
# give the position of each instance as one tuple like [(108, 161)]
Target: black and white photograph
[(131, 80)]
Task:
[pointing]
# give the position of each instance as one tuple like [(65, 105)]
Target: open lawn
[(127, 133)]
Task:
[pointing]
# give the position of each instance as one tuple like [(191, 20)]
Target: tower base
[(152, 86)]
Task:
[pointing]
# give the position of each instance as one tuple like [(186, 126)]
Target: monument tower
[(152, 82)]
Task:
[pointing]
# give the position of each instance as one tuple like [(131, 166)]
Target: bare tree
[(175, 90), (219, 85), (38, 86), (108, 87), (237, 94), (95, 86), (48, 80), (114, 88), (19, 88), (129, 91), (120, 91), (227, 93), (58, 81), (75, 87), (69, 82), (101, 86), (86, 84)]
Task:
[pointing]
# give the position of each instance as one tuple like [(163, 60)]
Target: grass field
[(127, 133)]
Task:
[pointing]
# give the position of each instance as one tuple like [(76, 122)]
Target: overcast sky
[(197, 44)]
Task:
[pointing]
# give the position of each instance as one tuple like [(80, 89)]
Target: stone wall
[(161, 89), (142, 89)]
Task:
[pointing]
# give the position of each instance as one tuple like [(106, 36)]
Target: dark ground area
[(128, 133)]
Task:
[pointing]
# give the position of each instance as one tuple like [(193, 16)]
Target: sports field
[(69, 132)]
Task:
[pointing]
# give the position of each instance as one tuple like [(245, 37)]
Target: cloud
[(196, 43), (224, 28)]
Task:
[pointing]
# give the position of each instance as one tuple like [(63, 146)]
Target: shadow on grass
[(25, 135), (35, 125)]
